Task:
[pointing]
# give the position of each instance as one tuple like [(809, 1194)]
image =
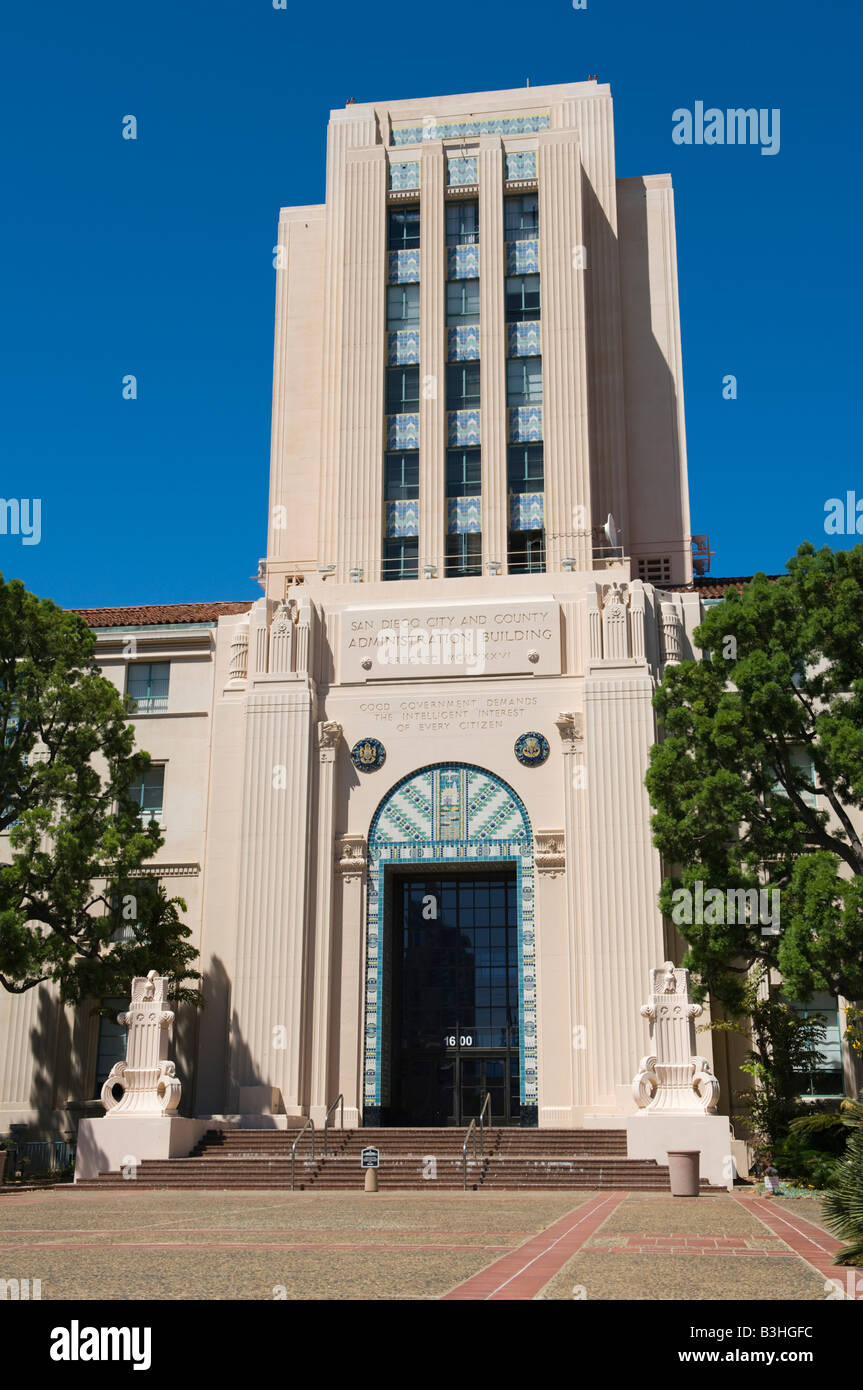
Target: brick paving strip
[(806, 1240), (521, 1274), (651, 1244)]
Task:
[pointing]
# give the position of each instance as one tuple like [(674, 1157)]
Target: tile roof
[(150, 615), (708, 587)]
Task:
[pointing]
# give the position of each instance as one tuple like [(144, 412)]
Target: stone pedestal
[(120, 1146), (676, 1089)]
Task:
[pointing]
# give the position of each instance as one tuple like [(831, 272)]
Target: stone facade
[(326, 737)]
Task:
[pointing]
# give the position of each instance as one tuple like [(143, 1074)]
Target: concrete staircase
[(430, 1160)]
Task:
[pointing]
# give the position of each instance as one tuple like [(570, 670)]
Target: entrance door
[(454, 1013)]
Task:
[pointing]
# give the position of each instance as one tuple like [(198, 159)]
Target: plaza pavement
[(476, 1246)]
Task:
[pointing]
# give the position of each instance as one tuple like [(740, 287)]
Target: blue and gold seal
[(368, 755), (531, 749)]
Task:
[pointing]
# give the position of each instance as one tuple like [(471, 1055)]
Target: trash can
[(683, 1171)]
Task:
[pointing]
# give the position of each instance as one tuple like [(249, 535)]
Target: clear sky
[(154, 257)]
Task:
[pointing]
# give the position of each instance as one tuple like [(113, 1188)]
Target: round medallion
[(531, 749), (368, 755)]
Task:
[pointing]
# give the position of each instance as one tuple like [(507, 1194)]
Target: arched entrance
[(450, 1005)]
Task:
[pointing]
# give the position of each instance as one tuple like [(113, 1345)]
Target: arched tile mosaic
[(448, 814)]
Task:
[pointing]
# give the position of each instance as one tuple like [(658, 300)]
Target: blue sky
[(154, 256)]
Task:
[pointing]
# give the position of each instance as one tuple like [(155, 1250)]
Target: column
[(492, 351), (350, 866), (564, 352), (329, 736), (432, 359)]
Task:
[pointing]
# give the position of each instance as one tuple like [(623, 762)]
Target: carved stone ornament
[(571, 728), (673, 1077), (148, 1081), (550, 857), (329, 733), (351, 856)]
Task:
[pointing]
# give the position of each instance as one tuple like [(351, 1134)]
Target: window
[(526, 468), (824, 1075), (522, 298), (462, 223), (462, 302), (403, 305), (462, 386), (403, 231), (521, 218), (147, 685), (403, 389), (655, 569), (148, 793), (402, 476), (401, 557), (463, 555), (463, 473), (526, 552), (524, 381), (111, 1046)]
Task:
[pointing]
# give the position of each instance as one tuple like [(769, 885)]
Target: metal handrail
[(486, 1105), (309, 1122), (471, 1129), (338, 1100)]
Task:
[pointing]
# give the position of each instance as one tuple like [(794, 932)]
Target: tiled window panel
[(522, 257), (403, 518), (526, 511), (521, 164), (462, 262), (461, 169), (403, 267), (523, 340), (447, 130), (403, 432), (463, 343), (403, 348), (463, 427), (525, 424), (405, 173), (464, 515)]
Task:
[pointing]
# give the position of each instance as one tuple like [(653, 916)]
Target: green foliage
[(803, 1163), (773, 716), (843, 1206), (784, 1044), (72, 877)]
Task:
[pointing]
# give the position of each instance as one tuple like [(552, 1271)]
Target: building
[(402, 792)]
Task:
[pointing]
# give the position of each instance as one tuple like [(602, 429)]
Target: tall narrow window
[(111, 1045), (403, 305), (402, 476), (522, 298), (148, 793), (462, 223), (463, 473), (524, 381), (463, 555), (526, 552), (525, 468), (147, 685), (403, 389), (401, 557), (403, 228), (521, 218), (462, 386), (462, 302)]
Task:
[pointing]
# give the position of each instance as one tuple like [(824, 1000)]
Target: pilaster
[(432, 360), (493, 419), (329, 737)]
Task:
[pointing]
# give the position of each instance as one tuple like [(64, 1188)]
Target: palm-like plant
[(843, 1206)]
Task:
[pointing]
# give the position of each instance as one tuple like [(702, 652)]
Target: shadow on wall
[(50, 1042), (225, 1061)]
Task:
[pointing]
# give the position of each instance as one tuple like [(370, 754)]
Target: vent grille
[(655, 569)]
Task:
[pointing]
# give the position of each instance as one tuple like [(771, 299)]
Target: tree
[(771, 716), (843, 1206), (71, 881)]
